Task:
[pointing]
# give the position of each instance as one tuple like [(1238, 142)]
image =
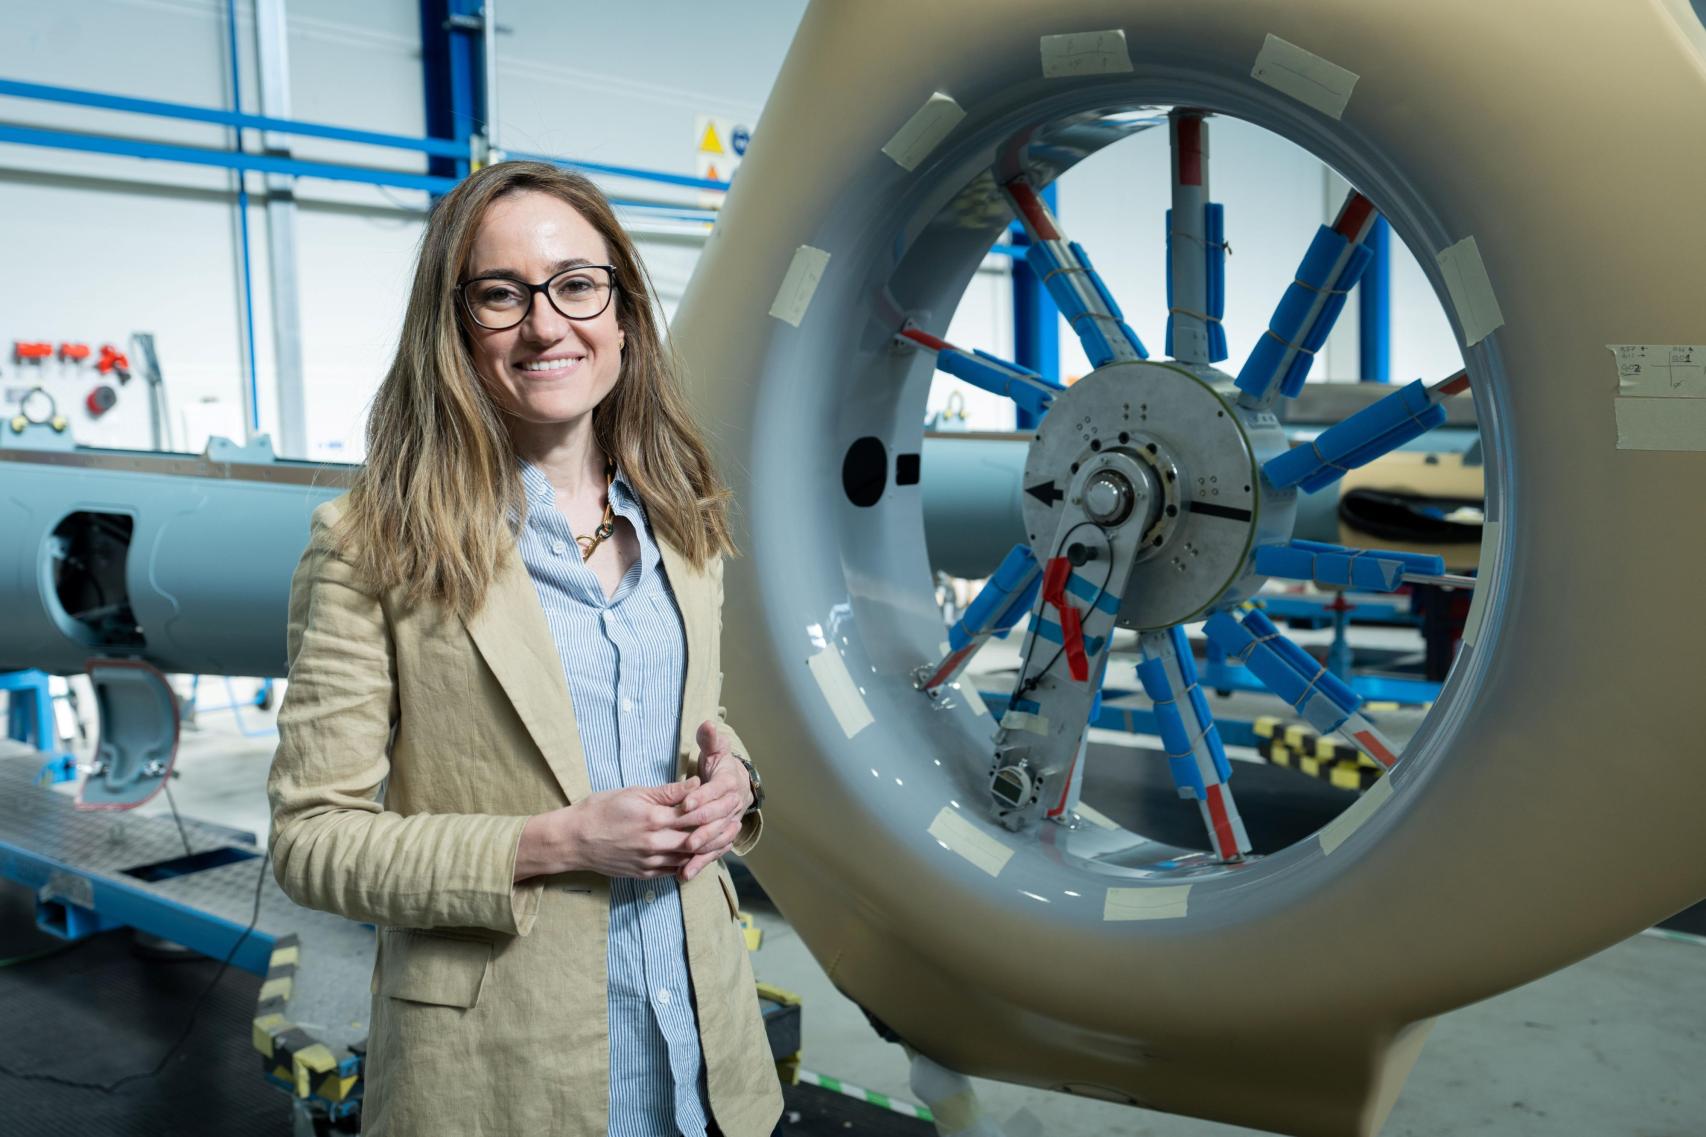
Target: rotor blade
[(1065, 270), (1324, 700), (1378, 429), (1005, 597), (1375, 570), (1195, 756), (1030, 390), (1335, 261), (1196, 249)]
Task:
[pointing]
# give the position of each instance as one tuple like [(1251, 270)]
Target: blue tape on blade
[(1286, 470), (1131, 338), (1374, 421), (1214, 233), (1018, 564), (1153, 675), (1021, 605), (1084, 590), (1322, 258), (959, 636), (1052, 633), (1226, 633), (1296, 374), (1111, 306), (1324, 322), (1277, 674), (1291, 320), (1222, 765), (1261, 367), (1186, 777), (1321, 713), (1182, 650), (1175, 738), (1361, 257), (1167, 344), (1285, 561)]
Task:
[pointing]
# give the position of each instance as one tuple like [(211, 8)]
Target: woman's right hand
[(630, 832)]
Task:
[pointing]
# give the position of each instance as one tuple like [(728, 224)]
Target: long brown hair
[(429, 511)]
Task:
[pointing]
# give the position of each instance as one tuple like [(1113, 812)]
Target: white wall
[(102, 246)]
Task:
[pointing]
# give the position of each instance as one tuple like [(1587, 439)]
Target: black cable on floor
[(189, 1023)]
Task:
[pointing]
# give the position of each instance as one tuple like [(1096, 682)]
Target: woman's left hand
[(715, 809)]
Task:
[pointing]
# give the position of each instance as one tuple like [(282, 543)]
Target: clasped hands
[(674, 829)]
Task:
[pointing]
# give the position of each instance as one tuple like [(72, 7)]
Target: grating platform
[(93, 870)]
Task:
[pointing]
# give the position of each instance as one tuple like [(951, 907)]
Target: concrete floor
[(1614, 1046)]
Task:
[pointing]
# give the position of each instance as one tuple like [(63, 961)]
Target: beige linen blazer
[(413, 746)]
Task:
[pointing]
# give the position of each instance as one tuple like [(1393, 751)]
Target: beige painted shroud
[(1552, 803)]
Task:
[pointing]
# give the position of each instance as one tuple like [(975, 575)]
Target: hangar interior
[(893, 334)]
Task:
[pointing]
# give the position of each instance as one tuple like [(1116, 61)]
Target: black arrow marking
[(1231, 513), (1045, 493)]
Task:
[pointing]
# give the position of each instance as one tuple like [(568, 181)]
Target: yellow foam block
[(309, 1061), (265, 1027)]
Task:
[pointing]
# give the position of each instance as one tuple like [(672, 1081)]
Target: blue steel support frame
[(1375, 306), (243, 224), (1036, 321), (452, 65)]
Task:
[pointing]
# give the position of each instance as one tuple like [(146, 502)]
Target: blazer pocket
[(422, 967)]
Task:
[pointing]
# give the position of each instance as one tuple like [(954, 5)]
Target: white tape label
[(1660, 371), (1661, 424), (984, 850), (1026, 721), (1661, 396), (968, 692), (839, 691), (1471, 291), (924, 131), (1085, 53), (1094, 816), (1163, 902), (799, 284), (1338, 831), (1305, 76)]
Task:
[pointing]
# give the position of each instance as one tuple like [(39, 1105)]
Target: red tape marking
[(1032, 208), (1372, 744), (1456, 385), (1224, 839), (1071, 622), (927, 340), (1355, 218), (1190, 150)]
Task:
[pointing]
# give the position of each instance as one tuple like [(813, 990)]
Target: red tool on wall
[(24, 351), (113, 362)]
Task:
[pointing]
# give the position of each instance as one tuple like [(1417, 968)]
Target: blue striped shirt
[(623, 659)]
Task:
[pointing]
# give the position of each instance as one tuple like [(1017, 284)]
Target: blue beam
[(230, 160), (1376, 306), (187, 113)]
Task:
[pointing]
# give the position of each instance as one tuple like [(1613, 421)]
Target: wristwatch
[(757, 785)]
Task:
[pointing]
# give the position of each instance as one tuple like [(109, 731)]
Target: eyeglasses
[(500, 302)]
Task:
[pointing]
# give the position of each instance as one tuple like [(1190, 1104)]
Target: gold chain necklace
[(607, 526)]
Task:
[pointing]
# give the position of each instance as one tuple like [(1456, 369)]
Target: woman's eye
[(574, 286), (498, 295)]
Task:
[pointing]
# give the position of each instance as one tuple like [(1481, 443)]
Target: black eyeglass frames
[(499, 302)]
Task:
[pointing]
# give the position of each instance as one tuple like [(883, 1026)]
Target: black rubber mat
[(99, 1010)]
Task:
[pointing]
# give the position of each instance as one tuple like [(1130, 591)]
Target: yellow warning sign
[(709, 142)]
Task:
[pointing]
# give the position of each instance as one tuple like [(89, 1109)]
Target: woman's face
[(548, 368)]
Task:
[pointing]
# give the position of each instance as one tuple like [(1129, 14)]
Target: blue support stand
[(29, 719), (1036, 320)]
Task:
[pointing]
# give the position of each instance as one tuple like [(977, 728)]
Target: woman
[(501, 742)]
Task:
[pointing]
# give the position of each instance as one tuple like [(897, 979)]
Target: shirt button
[(650, 895), (627, 706), (559, 547), (663, 996)]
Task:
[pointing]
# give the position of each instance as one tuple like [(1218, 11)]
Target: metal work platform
[(94, 870)]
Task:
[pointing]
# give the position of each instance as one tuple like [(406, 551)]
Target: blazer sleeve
[(752, 826), (334, 845)]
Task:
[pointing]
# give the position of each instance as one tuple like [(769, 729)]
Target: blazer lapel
[(689, 586), (515, 641)]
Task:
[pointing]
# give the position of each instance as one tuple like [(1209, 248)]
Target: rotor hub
[(1154, 446)]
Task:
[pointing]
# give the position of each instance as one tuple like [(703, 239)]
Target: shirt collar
[(540, 493)]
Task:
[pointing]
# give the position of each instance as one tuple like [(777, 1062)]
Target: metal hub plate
[(1204, 519)]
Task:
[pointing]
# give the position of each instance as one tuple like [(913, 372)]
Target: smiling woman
[(502, 742)]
